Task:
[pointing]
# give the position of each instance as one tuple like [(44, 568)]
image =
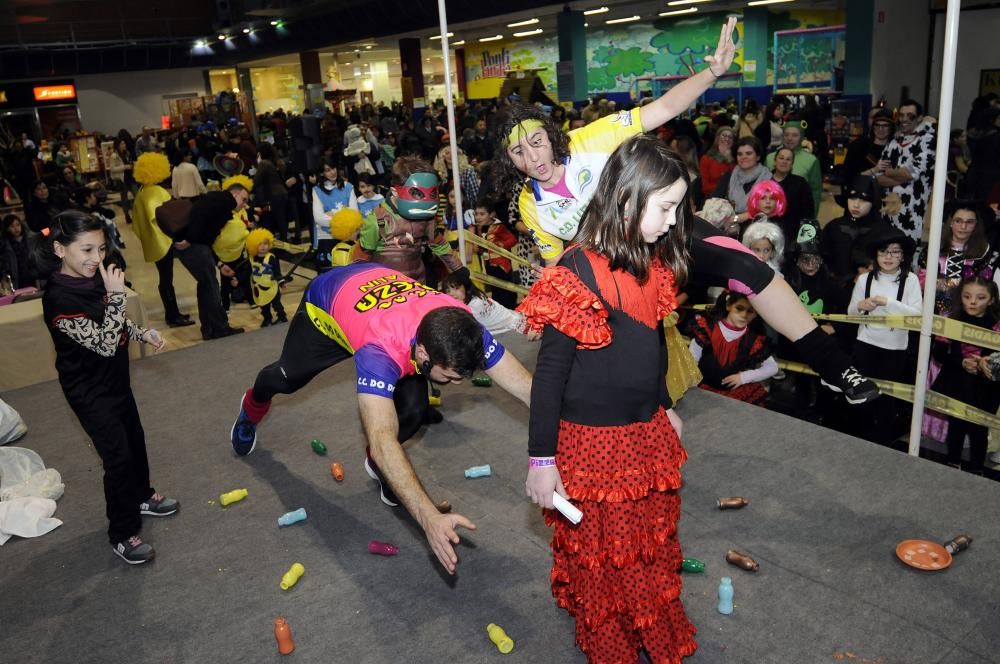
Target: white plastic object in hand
[(567, 508)]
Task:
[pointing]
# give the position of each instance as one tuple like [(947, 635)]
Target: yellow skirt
[(682, 370)]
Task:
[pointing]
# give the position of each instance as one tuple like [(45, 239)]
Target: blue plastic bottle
[(292, 517), (726, 596), (478, 471)]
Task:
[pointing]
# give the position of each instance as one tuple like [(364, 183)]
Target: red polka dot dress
[(599, 403)]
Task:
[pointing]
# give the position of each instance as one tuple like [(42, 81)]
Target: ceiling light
[(599, 10), (675, 12), (222, 38), (200, 43), (486, 39), (274, 22), (368, 48), (536, 31), (624, 20), (530, 21), (674, 3), (450, 34), (765, 2), (246, 31), (458, 43)]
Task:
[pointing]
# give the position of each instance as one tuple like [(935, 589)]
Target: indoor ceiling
[(45, 38)]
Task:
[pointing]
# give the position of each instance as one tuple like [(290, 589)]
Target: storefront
[(42, 110)]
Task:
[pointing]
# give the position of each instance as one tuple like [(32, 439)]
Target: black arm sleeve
[(555, 358), (275, 268), (722, 186), (725, 262)]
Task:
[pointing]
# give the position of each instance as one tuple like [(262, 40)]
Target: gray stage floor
[(826, 512)]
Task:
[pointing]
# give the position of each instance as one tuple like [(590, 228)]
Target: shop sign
[(53, 92)]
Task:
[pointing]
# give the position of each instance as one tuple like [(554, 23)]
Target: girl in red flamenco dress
[(602, 429)]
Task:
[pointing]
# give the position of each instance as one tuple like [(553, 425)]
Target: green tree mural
[(619, 66), (683, 45)]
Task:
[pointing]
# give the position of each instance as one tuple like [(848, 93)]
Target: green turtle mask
[(417, 198)]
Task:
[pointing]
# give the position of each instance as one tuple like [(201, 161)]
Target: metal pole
[(937, 212), (455, 174)]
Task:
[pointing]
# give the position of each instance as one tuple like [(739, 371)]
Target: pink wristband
[(541, 462)]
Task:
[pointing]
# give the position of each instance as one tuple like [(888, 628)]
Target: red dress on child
[(599, 391), (722, 357)]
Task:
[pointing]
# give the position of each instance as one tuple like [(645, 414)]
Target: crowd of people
[(633, 212)]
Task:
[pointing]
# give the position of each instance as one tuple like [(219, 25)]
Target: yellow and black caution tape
[(494, 249), (288, 246), (940, 326), (499, 283), (935, 401)]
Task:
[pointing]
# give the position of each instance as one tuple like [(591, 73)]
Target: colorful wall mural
[(486, 65), (616, 57)]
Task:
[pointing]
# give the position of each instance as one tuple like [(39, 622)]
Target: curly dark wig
[(506, 176)]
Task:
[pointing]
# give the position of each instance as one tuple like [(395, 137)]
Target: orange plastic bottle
[(337, 471), (283, 635)]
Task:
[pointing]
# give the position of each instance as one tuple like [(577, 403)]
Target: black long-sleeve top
[(91, 334), (208, 215), (616, 385)]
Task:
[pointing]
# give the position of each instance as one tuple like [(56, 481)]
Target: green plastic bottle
[(318, 446), (482, 381), (692, 565)]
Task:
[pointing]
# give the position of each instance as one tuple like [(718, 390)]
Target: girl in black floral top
[(86, 317)]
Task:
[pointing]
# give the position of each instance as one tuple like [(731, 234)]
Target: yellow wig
[(151, 168), (257, 236), (345, 223), (238, 179)]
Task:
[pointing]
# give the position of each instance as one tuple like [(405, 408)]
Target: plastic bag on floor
[(27, 517), (23, 474), (12, 426)]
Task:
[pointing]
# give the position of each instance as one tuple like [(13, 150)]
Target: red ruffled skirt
[(617, 571)]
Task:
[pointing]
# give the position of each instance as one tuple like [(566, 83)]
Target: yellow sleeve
[(549, 246), (605, 134)]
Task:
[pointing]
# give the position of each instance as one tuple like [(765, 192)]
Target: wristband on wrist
[(541, 462)]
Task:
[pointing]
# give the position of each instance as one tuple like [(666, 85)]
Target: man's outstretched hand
[(442, 536)]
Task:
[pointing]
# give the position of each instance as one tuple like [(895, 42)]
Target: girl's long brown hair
[(639, 167)]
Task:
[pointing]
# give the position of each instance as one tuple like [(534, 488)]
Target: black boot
[(821, 352)]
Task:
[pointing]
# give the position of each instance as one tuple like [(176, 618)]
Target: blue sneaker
[(244, 433)]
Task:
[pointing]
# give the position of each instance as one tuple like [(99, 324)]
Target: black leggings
[(307, 352), (121, 443), (978, 441), (715, 265)]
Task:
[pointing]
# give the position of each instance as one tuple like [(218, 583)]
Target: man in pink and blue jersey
[(401, 334)]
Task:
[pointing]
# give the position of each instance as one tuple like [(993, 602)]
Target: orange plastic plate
[(923, 554)]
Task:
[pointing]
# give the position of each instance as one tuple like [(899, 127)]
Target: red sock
[(254, 409)]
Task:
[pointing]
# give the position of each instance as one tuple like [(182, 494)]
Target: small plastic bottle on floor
[(726, 596)]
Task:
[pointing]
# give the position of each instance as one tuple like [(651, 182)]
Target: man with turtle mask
[(395, 232)]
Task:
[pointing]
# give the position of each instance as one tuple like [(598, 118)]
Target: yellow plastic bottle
[(233, 496), (499, 637), (291, 577)]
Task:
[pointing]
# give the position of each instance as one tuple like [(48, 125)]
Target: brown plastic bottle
[(283, 635), (742, 560), (732, 503)]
